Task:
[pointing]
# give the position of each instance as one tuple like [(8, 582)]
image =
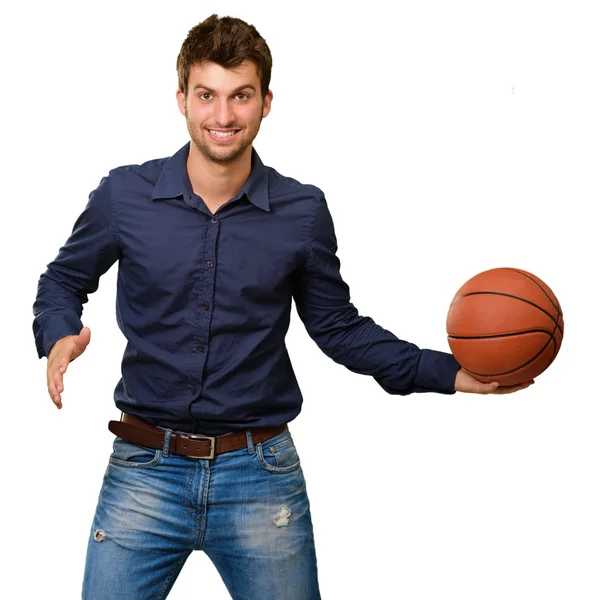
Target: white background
[(449, 138)]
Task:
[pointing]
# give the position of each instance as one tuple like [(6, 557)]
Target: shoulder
[(148, 171), (283, 186)]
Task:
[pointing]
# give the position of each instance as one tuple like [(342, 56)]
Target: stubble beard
[(222, 156)]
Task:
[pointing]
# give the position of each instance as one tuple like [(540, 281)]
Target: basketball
[(505, 325)]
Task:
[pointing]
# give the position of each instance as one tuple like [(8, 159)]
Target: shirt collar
[(174, 180)]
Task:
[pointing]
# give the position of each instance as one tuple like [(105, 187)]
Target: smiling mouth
[(222, 134)]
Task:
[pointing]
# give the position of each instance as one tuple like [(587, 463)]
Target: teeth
[(222, 133)]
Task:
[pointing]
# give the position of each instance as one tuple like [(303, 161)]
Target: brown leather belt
[(137, 431)]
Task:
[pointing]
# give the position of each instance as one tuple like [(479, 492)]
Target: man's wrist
[(437, 371)]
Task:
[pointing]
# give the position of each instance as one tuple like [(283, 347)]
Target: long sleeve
[(323, 304), (89, 252)]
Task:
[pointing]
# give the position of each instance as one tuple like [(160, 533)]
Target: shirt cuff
[(437, 372), (58, 327)]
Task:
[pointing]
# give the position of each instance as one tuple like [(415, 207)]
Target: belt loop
[(251, 448), (167, 434)]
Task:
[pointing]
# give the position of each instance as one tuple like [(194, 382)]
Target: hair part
[(228, 42)]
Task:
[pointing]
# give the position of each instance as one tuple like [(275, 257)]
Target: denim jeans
[(248, 510)]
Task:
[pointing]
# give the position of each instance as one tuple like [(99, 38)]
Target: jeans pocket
[(279, 454), (126, 454)]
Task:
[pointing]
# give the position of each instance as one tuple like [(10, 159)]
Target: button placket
[(204, 298)]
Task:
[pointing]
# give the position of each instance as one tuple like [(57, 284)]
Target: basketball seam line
[(499, 335), (510, 296), (551, 338), (558, 308)]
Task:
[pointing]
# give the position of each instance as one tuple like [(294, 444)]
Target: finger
[(55, 376), (52, 390), (58, 380), (521, 386), (58, 383), (509, 389)]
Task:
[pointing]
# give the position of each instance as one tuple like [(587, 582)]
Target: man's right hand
[(64, 351)]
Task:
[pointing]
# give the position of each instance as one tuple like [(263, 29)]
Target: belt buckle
[(194, 436)]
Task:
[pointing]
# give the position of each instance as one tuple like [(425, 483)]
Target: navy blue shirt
[(204, 300)]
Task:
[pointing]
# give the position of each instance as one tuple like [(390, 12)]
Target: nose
[(223, 113)]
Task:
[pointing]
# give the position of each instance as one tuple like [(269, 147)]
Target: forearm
[(57, 313), (364, 347), (324, 305), (89, 252)]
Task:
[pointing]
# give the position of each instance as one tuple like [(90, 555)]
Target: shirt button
[(201, 348), (205, 306), (210, 263), (193, 390), (214, 220)]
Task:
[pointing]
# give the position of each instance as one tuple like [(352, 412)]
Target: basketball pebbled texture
[(505, 325)]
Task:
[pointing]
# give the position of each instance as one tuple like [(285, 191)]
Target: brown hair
[(227, 41)]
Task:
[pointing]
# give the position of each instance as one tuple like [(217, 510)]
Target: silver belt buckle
[(211, 439)]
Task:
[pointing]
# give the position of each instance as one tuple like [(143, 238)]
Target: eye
[(202, 96), (241, 96)]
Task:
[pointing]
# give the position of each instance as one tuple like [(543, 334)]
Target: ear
[(267, 103), (180, 98)]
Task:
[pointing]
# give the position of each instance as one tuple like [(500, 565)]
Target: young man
[(212, 247)]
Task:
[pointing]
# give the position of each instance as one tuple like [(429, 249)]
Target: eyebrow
[(238, 89)]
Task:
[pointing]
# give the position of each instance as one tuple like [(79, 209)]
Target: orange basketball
[(505, 325)]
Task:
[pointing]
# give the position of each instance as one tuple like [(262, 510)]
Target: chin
[(225, 157)]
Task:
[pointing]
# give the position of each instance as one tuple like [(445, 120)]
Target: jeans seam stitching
[(173, 571), (130, 464), (271, 468)]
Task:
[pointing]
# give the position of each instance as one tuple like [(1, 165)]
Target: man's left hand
[(466, 383)]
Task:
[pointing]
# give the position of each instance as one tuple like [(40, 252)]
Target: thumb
[(490, 387), (83, 339)]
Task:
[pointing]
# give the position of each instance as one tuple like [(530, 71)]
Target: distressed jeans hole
[(99, 535), (282, 518)]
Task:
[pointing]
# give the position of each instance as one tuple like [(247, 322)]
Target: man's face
[(223, 109)]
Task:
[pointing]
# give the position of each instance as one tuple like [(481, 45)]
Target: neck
[(217, 181)]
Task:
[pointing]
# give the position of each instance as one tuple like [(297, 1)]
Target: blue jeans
[(248, 510)]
